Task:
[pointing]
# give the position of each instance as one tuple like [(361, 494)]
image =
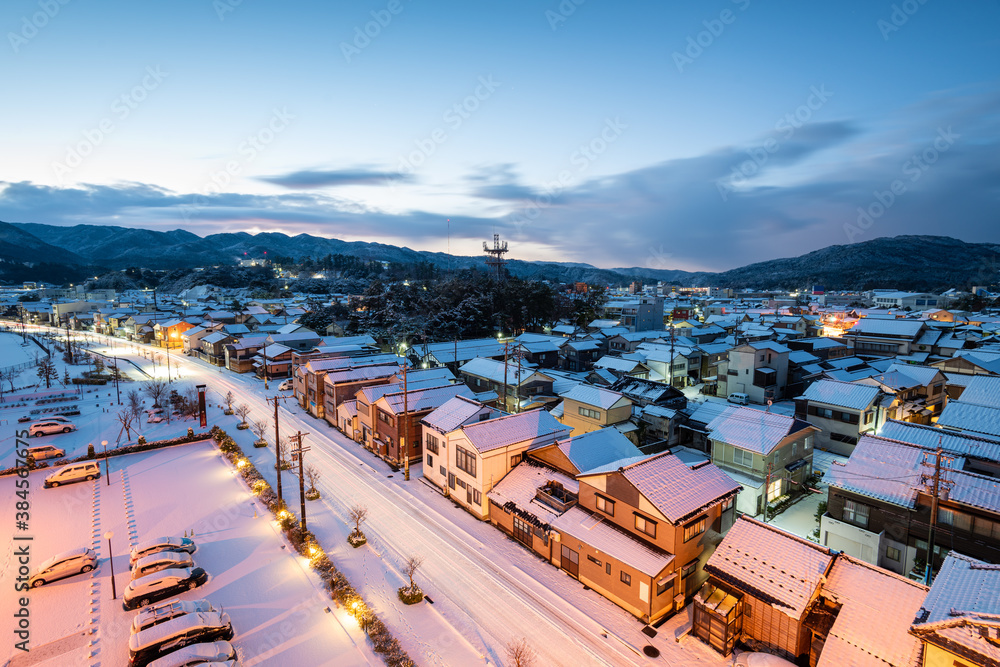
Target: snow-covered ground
[(486, 589), (276, 603), (800, 518)]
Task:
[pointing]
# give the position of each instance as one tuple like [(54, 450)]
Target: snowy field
[(486, 589), (277, 605)]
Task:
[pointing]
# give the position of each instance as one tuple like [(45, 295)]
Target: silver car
[(64, 565)]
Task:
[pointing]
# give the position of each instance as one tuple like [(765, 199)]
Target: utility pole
[(404, 441), (504, 403), (277, 441), (117, 390), (767, 490), (299, 453), (935, 488), (265, 370)]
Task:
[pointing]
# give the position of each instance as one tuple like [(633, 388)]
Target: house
[(397, 426), (274, 360), (455, 353), (471, 448), (844, 411), (978, 409), (342, 384), (906, 300), (580, 355), (971, 362), (643, 314), (769, 454), (301, 340), (191, 339), (580, 453), (957, 623), (213, 347), (241, 354), (367, 396), (880, 499), (647, 392), (620, 367), (517, 385), (919, 392), (641, 530), (758, 369), (877, 337), (168, 333), (588, 408), (311, 369), (822, 347), (803, 601)]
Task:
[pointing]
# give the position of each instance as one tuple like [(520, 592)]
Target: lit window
[(694, 529), (626, 578), (856, 513)]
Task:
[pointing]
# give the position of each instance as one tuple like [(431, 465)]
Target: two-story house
[(342, 384), (769, 454), (844, 411), (877, 337), (588, 408), (918, 392), (758, 369), (580, 355), (515, 384), (397, 419)]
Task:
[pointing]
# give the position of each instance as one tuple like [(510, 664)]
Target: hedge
[(89, 381)]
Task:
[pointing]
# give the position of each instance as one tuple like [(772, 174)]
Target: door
[(570, 561)]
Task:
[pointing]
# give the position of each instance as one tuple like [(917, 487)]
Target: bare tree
[(5, 374), (358, 514), (191, 402), (134, 402), (242, 411), (127, 418), (411, 566), (282, 447), (313, 475), (520, 653), (11, 376), (47, 371), (229, 398), (260, 427), (155, 389), (98, 365)]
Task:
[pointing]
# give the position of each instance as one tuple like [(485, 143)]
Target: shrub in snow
[(90, 451), (357, 539), (260, 443), (312, 494), (141, 440), (229, 411), (242, 427), (410, 594), (190, 432)]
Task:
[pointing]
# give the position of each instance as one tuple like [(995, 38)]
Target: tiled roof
[(532, 427), (893, 327), (982, 390), (866, 592), (598, 448), (609, 539), (753, 430), (520, 484), (453, 414), (418, 400), (848, 395), (675, 489), (964, 416), (971, 446), (591, 395), (771, 563)]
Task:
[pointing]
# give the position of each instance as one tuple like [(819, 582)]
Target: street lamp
[(111, 561), (107, 470)]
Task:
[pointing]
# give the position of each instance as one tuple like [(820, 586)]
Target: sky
[(688, 135)]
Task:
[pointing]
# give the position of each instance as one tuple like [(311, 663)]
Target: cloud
[(309, 179)]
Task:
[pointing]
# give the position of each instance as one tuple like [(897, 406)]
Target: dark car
[(163, 584), (163, 639)]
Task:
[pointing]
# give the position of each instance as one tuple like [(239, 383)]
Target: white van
[(739, 398), (43, 452), (75, 472)]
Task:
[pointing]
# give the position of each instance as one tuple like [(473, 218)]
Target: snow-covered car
[(155, 614), (203, 655), (43, 452), (168, 543), (154, 411), (161, 560), (49, 427), (155, 419), (165, 638), (75, 561), (750, 659), (159, 585), (286, 385), (74, 472)]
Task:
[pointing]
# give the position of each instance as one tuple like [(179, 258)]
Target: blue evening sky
[(693, 135)]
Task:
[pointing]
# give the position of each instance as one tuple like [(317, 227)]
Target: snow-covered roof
[(887, 327), (963, 444), (608, 538), (359, 373), (771, 564), (983, 390), (523, 481), (216, 337), (866, 592), (495, 371), (596, 396), (970, 417), (418, 400), (531, 428), (850, 395), (455, 412), (754, 430), (597, 448)]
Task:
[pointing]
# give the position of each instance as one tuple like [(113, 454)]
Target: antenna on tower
[(495, 259)]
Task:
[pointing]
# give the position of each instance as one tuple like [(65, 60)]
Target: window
[(430, 461), (626, 578), (774, 490), (432, 443), (694, 529), (522, 531), (442, 471), (607, 568), (594, 561), (856, 513), (742, 458), (869, 416), (689, 569), (663, 586), (465, 461), (477, 497), (384, 417), (514, 460), (644, 525), (592, 414), (606, 505), (728, 504), (892, 553)]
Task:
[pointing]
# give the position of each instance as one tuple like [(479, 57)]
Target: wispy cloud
[(309, 179)]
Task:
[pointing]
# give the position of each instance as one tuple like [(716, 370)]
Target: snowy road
[(486, 590)]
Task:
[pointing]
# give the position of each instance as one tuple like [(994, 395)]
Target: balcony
[(556, 496)]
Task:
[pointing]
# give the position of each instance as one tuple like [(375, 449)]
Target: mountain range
[(904, 262)]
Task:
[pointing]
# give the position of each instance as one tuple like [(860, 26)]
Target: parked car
[(43, 452), (739, 398), (159, 585), (21, 420), (50, 427), (161, 560), (204, 654), (147, 547), (74, 472), (751, 659), (286, 385), (196, 628), (155, 614), (68, 564)]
